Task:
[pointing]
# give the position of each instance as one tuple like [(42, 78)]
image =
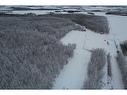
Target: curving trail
[(74, 73)]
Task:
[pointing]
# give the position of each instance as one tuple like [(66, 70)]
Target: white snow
[(116, 75), (118, 30), (118, 26), (75, 72), (93, 41), (115, 81), (117, 34), (106, 80)]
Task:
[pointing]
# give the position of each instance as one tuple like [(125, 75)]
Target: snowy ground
[(75, 72)]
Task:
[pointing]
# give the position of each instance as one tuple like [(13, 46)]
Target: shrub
[(95, 67), (124, 47), (123, 67), (31, 54), (109, 65), (96, 23)]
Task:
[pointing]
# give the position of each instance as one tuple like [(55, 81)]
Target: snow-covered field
[(75, 72)]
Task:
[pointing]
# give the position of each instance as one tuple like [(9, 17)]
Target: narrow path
[(75, 72)]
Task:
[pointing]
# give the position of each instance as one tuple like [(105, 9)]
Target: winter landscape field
[(63, 47)]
